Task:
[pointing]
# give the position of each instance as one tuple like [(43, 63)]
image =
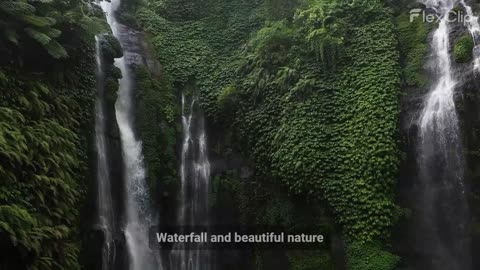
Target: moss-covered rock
[(111, 48), (156, 114), (412, 37), (463, 49)]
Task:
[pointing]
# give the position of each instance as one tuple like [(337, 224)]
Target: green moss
[(463, 49), (412, 37), (227, 101), (110, 46), (111, 88)]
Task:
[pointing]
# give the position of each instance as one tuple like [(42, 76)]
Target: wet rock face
[(131, 41), (92, 254), (121, 255), (469, 111), (137, 51)]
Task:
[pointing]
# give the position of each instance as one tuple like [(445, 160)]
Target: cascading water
[(473, 26), (443, 208), (138, 214), (194, 176), (104, 195)]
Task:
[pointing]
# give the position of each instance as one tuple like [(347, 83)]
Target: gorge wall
[(288, 112), (310, 120)]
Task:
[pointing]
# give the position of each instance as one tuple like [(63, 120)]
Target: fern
[(323, 31), (40, 171), (16, 7), (16, 222), (38, 21), (92, 25), (56, 50), (21, 21), (38, 36), (52, 32)]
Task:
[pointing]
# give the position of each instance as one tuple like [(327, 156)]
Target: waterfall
[(194, 177), (138, 215), (474, 28), (443, 207), (104, 195)]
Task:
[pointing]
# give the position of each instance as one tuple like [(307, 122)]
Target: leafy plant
[(43, 162), (323, 30), (463, 49), (370, 257), (413, 47), (43, 22), (323, 128)]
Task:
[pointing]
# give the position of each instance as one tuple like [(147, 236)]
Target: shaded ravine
[(138, 213), (195, 178), (443, 214)]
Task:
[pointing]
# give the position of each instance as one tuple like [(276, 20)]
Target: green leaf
[(56, 50), (38, 36)]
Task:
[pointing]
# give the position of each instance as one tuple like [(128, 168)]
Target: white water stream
[(443, 208), (104, 193), (195, 181), (138, 214), (474, 28)]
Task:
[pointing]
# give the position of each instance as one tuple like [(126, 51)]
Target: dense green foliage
[(305, 91), (370, 257), (157, 115), (311, 97), (43, 22), (46, 109), (412, 38), (43, 166), (463, 49)]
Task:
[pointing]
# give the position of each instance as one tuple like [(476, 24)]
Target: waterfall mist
[(195, 177), (443, 207)]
